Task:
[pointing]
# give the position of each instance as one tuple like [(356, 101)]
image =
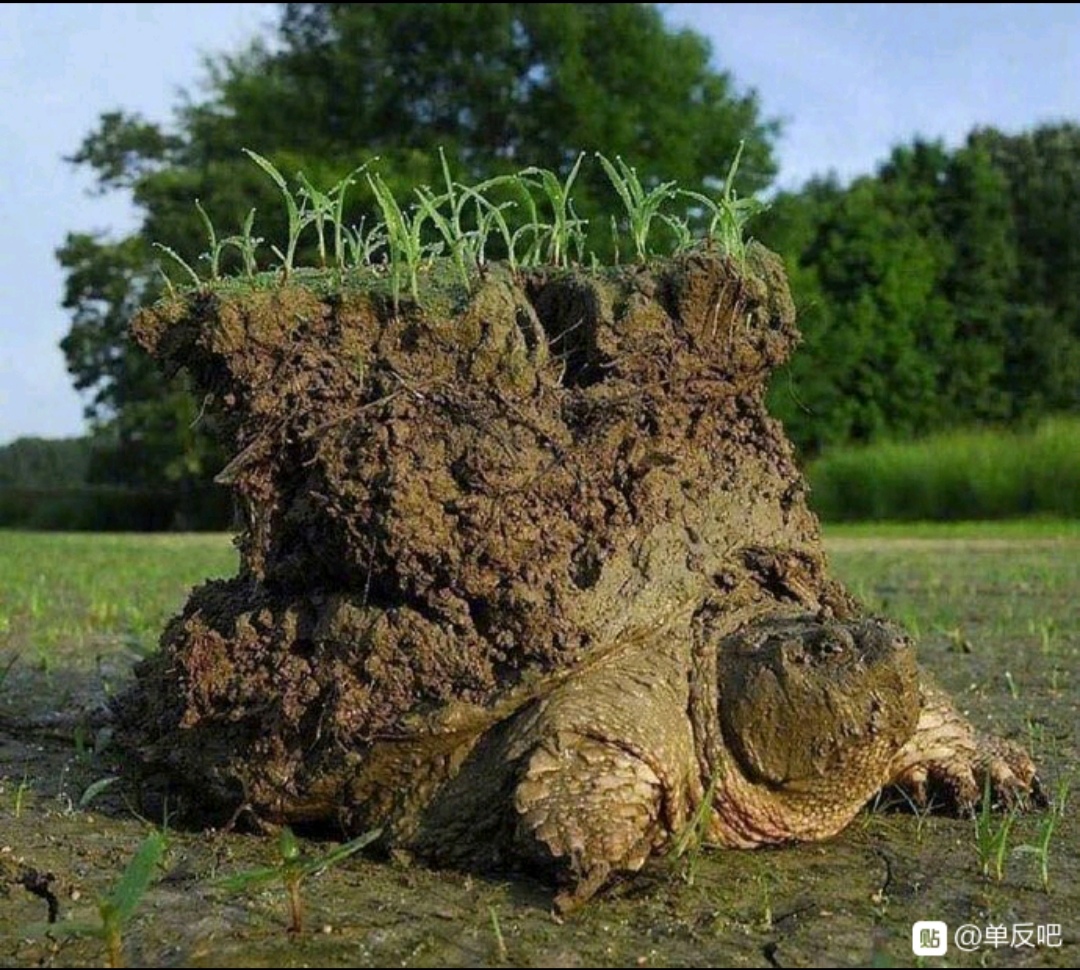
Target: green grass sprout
[(992, 835), (1040, 848), (294, 211), (490, 217), (292, 869), (196, 281), (728, 214), (531, 215), (641, 207), (680, 231), (116, 910), (691, 840), (20, 796), (96, 788), (462, 245), (565, 230), (404, 238), (501, 953), (246, 243), (338, 194), (320, 208), (361, 246), (317, 209)]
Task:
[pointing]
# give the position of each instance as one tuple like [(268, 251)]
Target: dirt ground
[(999, 624)]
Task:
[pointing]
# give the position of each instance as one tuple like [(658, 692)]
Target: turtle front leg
[(607, 770), (947, 763), (594, 808)]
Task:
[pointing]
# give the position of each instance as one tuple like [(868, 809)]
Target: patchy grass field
[(64, 594), (997, 610)]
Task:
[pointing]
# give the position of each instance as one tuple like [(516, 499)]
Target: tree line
[(940, 290)]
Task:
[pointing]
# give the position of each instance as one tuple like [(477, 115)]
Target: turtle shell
[(450, 506)]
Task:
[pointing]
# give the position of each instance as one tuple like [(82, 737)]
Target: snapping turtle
[(787, 726), (528, 573)]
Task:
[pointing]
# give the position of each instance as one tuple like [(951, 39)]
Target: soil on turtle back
[(450, 502)]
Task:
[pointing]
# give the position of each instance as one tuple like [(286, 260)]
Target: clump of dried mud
[(448, 504)]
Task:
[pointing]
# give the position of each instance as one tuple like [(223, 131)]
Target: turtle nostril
[(829, 647), (838, 640)]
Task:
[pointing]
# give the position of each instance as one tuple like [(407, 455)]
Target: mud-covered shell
[(449, 506)]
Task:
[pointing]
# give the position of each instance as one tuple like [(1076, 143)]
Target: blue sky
[(849, 81)]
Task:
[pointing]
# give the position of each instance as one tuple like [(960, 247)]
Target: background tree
[(1042, 171), (44, 462), (974, 213), (497, 86), (942, 290), (875, 324)]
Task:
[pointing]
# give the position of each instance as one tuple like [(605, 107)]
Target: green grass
[(1039, 528), (292, 868), (1040, 848), (962, 587), (116, 909), (533, 208), (79, 594), (981, 474), (992, 835)]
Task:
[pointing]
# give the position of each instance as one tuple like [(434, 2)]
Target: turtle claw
[(947, 763), (570, 899), (941, 782), (1040, 797), (1009, 775)]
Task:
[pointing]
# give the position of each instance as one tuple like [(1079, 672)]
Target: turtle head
[(810, 713)]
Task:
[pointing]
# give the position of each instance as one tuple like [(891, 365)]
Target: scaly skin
[(808, 719), (792, 723), (811, 713), (947, 762), (609, 770)]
